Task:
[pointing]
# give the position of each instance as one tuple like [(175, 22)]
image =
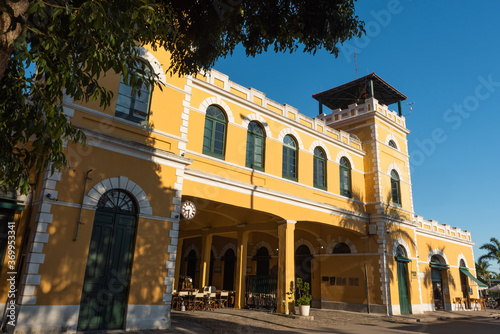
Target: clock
[(188, 210)]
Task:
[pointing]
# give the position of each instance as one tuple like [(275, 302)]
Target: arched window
[(395, 188), (255, 146), (392, 143), (319, 174), (290, 158), (215, 132), (345, 177), (341, 248), (117, 200), (133, 104), (401, 252)]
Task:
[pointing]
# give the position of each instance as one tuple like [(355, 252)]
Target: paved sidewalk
[(249, 321)]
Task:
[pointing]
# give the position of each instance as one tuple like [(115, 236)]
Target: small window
[(255, 146), (345, 177), (395, 188), (341, 248), (289, 158), (133, 104), (319, 174), (215, 132), (392, 143)]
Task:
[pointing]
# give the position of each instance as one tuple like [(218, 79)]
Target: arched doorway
[(191, 260), (437, 266), (262, 257), (229, 265), (402, 268), (464, 283), (303, 259), (211, 270), (109, 263)]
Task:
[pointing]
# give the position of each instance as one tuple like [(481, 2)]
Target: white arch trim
[(218, 101), (289, 131), (190, 248), (306, 242), (214, 250), (229, 245), (347, 156), (121, 182), (323, 146), (263, 244), (257, 118), (395, 167), (338, 240), (439, 252), (393, 138), (461, 257), (400, 241), (155, 65)]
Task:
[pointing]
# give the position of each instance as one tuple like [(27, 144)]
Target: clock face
[(188, 210)]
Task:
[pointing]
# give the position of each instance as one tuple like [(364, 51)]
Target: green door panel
[(404, 300)]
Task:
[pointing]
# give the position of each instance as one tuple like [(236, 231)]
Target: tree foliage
[(493, 250), (73, 43)]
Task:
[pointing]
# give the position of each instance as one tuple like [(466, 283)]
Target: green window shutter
[(214, 136)]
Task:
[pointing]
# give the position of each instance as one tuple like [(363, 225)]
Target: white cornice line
[(227, 184), (135, 149), (444, 237), (121, 120), (275, 177), (268, 113)]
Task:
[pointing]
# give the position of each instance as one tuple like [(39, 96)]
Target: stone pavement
[(249, 321)]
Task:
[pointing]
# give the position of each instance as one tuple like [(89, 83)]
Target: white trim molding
[(229, 245), (400, 241), (261, 244), (395, 167), (461, 256), (391, 137), (340, 239), (323, 146), (290, 131), (346, 155), (306, 242), (439, 252), (261, 120), (218, 101), (155, 65), (190, 248), (121, 182)]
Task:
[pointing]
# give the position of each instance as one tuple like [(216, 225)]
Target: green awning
[(11, 206), (439, 265), (467, 272), (402, 259)]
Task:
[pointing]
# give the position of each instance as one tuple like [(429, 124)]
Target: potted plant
[(303, 297)]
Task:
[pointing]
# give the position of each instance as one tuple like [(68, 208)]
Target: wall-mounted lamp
[(49, 196)]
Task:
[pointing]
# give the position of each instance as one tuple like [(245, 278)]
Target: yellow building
[(267, 195)]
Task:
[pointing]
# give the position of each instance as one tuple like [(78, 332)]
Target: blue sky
[(443, 55)]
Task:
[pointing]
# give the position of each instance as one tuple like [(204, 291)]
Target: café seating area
[(207, 300), (475, 304)]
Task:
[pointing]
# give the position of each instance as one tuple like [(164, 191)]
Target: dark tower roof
[(357, 91)]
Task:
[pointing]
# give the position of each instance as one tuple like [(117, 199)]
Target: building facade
[(275, 195)]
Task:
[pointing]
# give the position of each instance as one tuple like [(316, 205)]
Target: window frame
[(215, 121), (393, 144), (316, 161), (395, 185), (286, 149), (251, 138), (135, 95), (346, 167)]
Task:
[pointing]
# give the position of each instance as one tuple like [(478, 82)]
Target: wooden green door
[(404, 301), (108, 271)]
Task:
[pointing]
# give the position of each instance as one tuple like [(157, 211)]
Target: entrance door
[(109, 264), (303, 259), (402, 265), (404, 301)]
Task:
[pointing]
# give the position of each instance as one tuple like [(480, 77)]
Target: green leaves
[(74, 43)]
